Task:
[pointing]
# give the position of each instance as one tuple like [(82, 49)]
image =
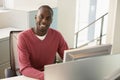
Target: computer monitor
[(75, 54)]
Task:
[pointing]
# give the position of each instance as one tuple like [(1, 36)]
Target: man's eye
[(48, 18), (40, 17)]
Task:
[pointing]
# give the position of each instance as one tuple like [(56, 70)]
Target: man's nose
[(44, 21)]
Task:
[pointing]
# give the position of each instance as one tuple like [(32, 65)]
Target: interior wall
[(14, 18), (1, 1), (66, 20), (114, 26), (3, 20), (116, 38), (4, 55), (33, 4), (111, 20), (21, 15)]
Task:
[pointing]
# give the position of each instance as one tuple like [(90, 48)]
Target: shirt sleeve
[(24, 62), (62, 46)]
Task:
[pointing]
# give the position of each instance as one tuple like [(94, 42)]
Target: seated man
[(37, 46)]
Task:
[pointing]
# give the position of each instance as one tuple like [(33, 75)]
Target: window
[(1, 4), (88, 11), (6, 4)]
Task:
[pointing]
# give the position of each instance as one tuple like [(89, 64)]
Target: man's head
[(43, 19)]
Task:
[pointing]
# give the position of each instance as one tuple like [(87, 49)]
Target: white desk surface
[(19, 78), (4, 32)]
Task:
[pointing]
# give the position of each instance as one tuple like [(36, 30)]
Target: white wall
[(21, 10), (111, 20), (1, 1), (66, 20), (114, 25), (116, 38), (4, 55), (32, 4), (14, 18)]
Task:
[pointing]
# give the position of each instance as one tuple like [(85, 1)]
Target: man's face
[(43, 20)]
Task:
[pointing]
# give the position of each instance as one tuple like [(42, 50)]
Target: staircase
[(97, 39)]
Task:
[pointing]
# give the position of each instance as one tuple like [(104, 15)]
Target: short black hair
[(46, 6)]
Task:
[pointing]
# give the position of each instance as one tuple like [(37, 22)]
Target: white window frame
[(83, 37), (2, 4), (6, 4)]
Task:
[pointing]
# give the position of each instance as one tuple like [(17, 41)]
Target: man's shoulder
[(25, 32), (54, 31)]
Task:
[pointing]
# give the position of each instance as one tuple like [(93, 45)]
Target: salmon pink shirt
[(34, 53)]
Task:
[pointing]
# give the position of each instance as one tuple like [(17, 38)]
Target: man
[(37, 46)]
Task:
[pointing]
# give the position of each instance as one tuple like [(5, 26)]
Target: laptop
[(114, 75), (94, 68)]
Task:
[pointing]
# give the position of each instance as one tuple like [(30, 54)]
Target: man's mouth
[(43, 25)]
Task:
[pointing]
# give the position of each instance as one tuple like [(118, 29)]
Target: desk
[(19, 78), (4, 32)]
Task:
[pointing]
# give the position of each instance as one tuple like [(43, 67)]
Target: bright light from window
[(86, 12), (9, 4), (6, 4)]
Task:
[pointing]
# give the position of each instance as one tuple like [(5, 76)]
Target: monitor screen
[(78, 53)]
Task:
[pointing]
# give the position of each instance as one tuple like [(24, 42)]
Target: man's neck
[(39, 33)]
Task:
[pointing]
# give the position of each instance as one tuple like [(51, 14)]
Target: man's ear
[(51, 20), (35, 16)]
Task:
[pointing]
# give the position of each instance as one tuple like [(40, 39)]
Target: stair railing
[(101, 31)]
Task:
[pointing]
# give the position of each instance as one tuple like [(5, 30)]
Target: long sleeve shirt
[(34, 53)]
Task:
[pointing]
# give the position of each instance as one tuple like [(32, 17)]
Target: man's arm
[(24, 62), (62, 46)]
